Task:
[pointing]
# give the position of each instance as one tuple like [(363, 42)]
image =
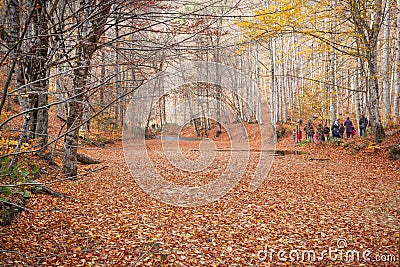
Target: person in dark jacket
[(309, 129), (341, 130), (326, 132), (363, 123), (348, 125), (335, 129), (320, 133)]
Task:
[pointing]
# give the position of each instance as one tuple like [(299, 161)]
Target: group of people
[(322, 133)]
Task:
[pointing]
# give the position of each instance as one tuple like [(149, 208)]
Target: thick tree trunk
[(37, 72), (71, 139), (74, 116), (377, 127), (91, 30), (367, 39)]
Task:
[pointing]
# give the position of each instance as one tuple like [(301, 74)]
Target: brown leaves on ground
[(302, 205)]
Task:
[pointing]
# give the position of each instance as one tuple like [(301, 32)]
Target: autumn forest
[(199, 133)]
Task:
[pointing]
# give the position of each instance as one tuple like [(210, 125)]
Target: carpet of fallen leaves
[(309, 202)]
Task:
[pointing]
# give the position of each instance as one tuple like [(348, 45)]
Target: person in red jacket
[(299, 135)]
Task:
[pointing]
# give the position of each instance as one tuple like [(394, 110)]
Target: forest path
[(304, 204)]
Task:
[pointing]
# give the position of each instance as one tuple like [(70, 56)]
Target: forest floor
[(327, 202)]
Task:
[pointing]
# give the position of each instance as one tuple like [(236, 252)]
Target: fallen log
[(47, 190), (320, 159), (86, 160)]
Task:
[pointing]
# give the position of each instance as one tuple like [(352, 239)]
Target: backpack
[(336, 133)]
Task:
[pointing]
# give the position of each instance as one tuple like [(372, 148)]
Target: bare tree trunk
[(257, 85), (295, 69), (284, 86), (372, 58), (18, 69), (117, 83), (36, 72), (218, 94), (332, 70), (60, 90), (75, 115), (358, 94), (103, 76), (377, 127), (273, 85), (385, 66), (88, 37), (396, 106)]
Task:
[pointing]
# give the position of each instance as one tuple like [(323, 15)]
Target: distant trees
[(86, 58), (347, 37)]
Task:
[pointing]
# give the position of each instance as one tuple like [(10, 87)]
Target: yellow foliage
[(81, 133), (7, 142), (300, 17), (373, 146), (3, 116), (26, 147), (7, 146)]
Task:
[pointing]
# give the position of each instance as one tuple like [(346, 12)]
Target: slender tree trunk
[(358, 94), (117, 83), (396, 102), (240, 91), (273, 84), (295, 70), (103, 77), (332, 70), (385, 67), (257, 85), (15, 34)]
